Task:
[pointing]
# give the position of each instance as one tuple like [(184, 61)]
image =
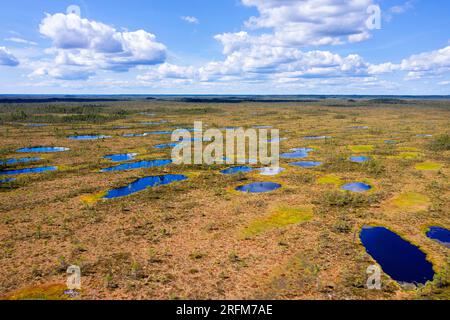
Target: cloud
[(190, 19), (426, 64), (82, 47), (7, 58), (21, 41), (310, 22)]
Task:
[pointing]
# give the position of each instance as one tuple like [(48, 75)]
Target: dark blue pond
[(401, 260), (316, 137), (138, 165), (28, 170), (306, 164), (21, 160), (359, 159), (121, 157), (297, 153), (440, 235), (6, 180), (143, 184), (259, 187), (356, 187), (235, 170), (43, 150), (88, 137), (166, 145)]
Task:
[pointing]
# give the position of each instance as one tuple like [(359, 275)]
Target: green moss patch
[(282, 217), (412, 200), (330, 179), (409, 155), (428, 166), (361, 149)]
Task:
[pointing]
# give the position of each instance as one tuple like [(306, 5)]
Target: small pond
[(28, 170), (306, 164), (133, 135), (88, 137), (440, 235), (356, 187), (158, 132), (316, 137), (21, 160), (138, 165), (401, 260), (359, 159), (259, 187), (7, 180), (143, 184), (166, 145), (121, 157), (43, 150), (297, 153), (235, 170)]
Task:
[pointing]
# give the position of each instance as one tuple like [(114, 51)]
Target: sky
[(225, 47)]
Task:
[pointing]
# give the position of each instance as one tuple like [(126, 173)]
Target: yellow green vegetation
[(361, 149), (44, 292), (330, 179), (282, 217), (428, 166), (91, 199), (409, 155), (411, 200)]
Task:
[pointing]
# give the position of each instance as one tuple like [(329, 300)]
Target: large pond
[(259, 187), (440, 235), (143, 184), (43, 150), (138, 165), (402, 261), (28, 170)]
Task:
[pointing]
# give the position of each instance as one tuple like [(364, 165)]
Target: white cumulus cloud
[(190, 19), (81, 47)]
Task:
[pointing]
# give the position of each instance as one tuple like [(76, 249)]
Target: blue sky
[(224, 47)]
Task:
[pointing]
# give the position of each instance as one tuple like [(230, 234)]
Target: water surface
[(402, 261), (259, 187), (356, 187), (28, 170), (166, 145), (359, 159), (143, 184), (297, 153), (21, 160), (121, 157), (440, 235), (235, 170), (43, 150), (138, 165), (306, 164), (88, 137)]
